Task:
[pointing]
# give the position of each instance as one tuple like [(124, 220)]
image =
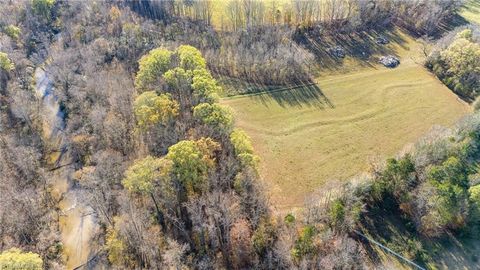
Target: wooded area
[(120, 100)]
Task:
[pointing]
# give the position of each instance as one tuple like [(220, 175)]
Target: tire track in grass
[(368, 114)]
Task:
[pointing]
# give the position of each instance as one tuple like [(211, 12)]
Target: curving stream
[(77, 221)]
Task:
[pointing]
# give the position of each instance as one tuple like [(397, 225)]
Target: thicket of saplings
[(457, 62), (172, 183)]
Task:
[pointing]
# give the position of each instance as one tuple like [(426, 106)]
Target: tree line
[(456, 63), (421, 16)]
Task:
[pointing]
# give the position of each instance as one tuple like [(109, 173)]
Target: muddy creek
[(77, 221)]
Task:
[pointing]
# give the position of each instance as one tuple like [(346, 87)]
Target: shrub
[(43, 8), (304, 244), (5, 63), (337, 212), (394, 181), (447, 202), (243, 148), (15, 259), (289, 219), (115, 247), (241, 142), (475, 195), (263, 237), (466, 34), (12, 31), (475, 202), (398, 176)]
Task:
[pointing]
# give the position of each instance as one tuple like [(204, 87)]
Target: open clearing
[(315, 135), (471, 11)]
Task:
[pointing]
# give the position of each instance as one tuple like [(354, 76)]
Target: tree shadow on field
[(441, 29), (456, 21), (302, 95), (360, 45), (387, 226)]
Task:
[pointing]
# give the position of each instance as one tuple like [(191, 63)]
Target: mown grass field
[(313, 136), (471, 11)]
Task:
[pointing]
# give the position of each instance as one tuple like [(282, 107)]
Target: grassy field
[(471, 11), (317, 135)]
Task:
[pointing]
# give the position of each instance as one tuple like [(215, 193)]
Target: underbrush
[(456, 62)]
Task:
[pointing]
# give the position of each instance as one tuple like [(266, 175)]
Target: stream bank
[(76, 220)]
